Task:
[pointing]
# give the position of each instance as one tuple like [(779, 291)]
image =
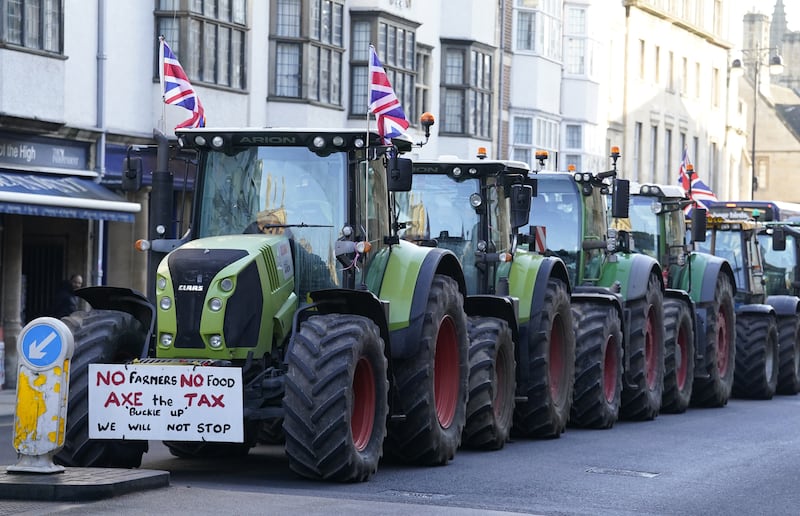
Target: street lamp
[(759, 56)]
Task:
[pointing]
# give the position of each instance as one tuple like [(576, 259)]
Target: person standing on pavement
[(65, 301)]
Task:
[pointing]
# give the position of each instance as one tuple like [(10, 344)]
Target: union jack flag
[(383, 102), (697, 189), (178, 90)]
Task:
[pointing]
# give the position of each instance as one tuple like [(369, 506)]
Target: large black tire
[(644, 385), (551, 369), (101, 337), (206, 450), (756, 372), (598, 366), (492, 384), (678, 356), (712, 386), (789, 345), (432, 386), (336, 398)]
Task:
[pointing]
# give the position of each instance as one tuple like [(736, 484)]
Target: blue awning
[(66, 197)]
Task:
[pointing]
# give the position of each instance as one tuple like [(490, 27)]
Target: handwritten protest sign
[(165, 402)]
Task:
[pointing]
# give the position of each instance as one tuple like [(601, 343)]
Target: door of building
[(43, 270)]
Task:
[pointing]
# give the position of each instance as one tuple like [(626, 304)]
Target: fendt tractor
[(757, 340), (699, 310), (517, 301), (293, 276), (618, 296)]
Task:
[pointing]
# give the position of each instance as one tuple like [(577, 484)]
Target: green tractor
[(780, 248), (699, 309), (734, 238), (617, 296), (522, 345), (350, 341)]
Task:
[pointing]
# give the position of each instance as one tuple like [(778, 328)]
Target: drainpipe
[(500, 151), (101, 125)]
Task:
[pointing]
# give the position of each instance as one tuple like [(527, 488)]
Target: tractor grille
[(272, 268), (243, 310), (192, 271)]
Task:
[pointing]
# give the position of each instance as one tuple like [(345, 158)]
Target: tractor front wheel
[(336, 398), (101, 337), (678, 356), (598, 366), (789, 371), (756, 372), (432, 385), (492, 384)]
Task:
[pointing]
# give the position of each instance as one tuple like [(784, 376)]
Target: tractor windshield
[(643, 225), (274, 190), (729, 245), (437, 212), (557, 207), (779, 266)]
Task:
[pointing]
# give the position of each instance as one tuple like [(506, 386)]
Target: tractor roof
[(658, 190), (463, 168)]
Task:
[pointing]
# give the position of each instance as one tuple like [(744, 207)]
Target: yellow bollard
[(44, 347)]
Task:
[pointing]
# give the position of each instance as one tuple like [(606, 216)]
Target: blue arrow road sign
[(42, 345)]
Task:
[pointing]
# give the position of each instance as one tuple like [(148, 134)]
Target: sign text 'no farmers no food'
[(165, 403)]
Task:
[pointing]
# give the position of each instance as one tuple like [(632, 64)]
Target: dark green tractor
[(699, 310), (351, 341), (522, 346), (617, 296)]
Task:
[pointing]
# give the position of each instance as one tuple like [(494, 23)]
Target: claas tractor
[(617, 296), (349, 342), (522, 345), (699, 311), (756, 359)]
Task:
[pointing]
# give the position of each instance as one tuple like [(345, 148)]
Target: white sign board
[(165, 402)]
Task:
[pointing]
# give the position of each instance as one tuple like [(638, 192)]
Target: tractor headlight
[(215, 304), (656, 207), (475, 200), (215, 341), (165, 340), (166, 303), (481, 246), (200, 141), (682, 259), (161, 283), (226, 285), (318, 142), (217, 142), (456, 171)]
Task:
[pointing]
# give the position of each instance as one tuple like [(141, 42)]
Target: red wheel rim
[(650, 355), (446, 372), (610, 365), (500, 374), (362, 416), (723, 342), (556, 369), (681, 358)]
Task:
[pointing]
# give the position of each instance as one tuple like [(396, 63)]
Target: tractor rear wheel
[(644, 385), (713, 386), (789, 371), (678, 356), (756, 371), (336, 398), (432, 386), (492, 384), (551, 368), (101, 337), (598, 366)]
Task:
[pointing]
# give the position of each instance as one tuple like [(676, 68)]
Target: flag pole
[(163, 122)]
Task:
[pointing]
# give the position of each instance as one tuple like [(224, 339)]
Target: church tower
[(778, 28)]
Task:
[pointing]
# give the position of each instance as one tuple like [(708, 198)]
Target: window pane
[(32, 25), (525, 30), (287, 70), (237, 75), (14, 21), (169, 28), (454, 67), (315, 19), (324, 75), (239, 11), (52, 25), (326, 21), (391, 46), (288, 19), (573, 136), (522, 130), (358, 90), (454, 111), (361, 36), (523, 155), (210, 53), (223, 61), (168, 5), (337, 25), (224, 10), (313, 73), (382, 30), (410, 50), (336, 78), (192, 67)]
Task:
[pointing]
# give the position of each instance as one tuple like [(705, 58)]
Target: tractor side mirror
[(778, 239), (399, 176), (621, 199), (699, 224), (131, 174), (520, 200)]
